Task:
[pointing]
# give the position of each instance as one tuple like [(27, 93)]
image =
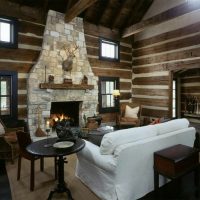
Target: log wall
[(122, 69), (157, 53), (30, 36)]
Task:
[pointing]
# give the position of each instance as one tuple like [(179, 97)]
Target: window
[(174, 98), (109, 50), (8, 32), (107, 103), (8, 95)]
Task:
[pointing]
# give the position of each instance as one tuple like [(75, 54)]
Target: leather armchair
[(123, 121)]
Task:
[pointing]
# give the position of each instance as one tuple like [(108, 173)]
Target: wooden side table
[(174, 162)]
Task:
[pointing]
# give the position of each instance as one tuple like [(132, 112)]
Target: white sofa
[(122, 167)]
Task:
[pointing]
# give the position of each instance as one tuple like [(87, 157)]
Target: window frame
[(109, 41), (14, 95), (116, 105), (13, 32)]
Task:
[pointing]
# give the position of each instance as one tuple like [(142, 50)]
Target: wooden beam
[(172, 13), (76, 9)]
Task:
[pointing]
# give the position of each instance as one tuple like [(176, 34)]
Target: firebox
[(66, 110)]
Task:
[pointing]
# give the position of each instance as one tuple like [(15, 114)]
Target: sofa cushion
[(172, 125), (111, 140)]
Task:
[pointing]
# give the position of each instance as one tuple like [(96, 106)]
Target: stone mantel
[(65, 86)]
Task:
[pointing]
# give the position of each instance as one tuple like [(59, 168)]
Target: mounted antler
[(67, 64)]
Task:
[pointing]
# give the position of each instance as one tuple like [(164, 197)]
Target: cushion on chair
[(131, 112), (171, 126), (111, 140)]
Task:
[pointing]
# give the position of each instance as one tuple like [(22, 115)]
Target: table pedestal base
[(61, 190), (61, 187)]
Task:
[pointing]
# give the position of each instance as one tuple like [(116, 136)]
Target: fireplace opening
[(65, 110)]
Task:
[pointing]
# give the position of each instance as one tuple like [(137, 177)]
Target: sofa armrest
[(91, 153)]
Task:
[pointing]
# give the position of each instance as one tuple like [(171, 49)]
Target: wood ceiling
[(114, 14)]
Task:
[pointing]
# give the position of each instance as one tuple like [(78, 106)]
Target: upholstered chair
[(129, 115)]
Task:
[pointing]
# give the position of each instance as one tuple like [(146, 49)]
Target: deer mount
[(70, 50)]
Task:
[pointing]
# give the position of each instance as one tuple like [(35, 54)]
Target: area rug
[(45, 182)]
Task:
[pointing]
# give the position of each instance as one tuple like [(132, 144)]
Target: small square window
[(109, 50), (8, 32)]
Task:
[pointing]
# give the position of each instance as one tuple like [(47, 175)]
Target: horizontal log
[(22, 99), (155, 113), (126, 57), (151, 102), (149, 69), (150, 92), (27, 27), (101, 31), (29, 40), (22, 12), (108, 64), (19, 54), (112, 73), (16, 66), (191, 80), (155, 80), (22, 83), (125, 85), (193, 28), (190, 89), (125, 95), (186, 42), (22, 113), (191, 53)]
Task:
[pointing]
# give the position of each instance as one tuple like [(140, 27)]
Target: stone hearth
[(57, 34)]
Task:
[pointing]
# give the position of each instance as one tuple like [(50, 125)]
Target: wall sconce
[(116, 94)]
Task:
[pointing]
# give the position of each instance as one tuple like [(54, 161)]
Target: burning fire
[(57, 117)]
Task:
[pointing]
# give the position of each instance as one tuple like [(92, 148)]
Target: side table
[(174, 162)]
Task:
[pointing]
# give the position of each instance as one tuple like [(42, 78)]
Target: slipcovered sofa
[(122, 167)]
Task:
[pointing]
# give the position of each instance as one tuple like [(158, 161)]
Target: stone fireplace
[(58, 34)]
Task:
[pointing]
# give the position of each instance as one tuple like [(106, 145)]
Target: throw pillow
[(2, 129), (131, 112)]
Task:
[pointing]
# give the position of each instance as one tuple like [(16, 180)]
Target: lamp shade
[(116, 93)]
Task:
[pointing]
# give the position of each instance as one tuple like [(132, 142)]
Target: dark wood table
[(38, 149), (174, 162)]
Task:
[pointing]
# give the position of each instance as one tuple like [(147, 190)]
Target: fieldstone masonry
[(57, 34)]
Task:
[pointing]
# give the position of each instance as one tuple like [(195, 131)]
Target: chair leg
[(41, 164), (32, 178), (55, 166), (19, 167)]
